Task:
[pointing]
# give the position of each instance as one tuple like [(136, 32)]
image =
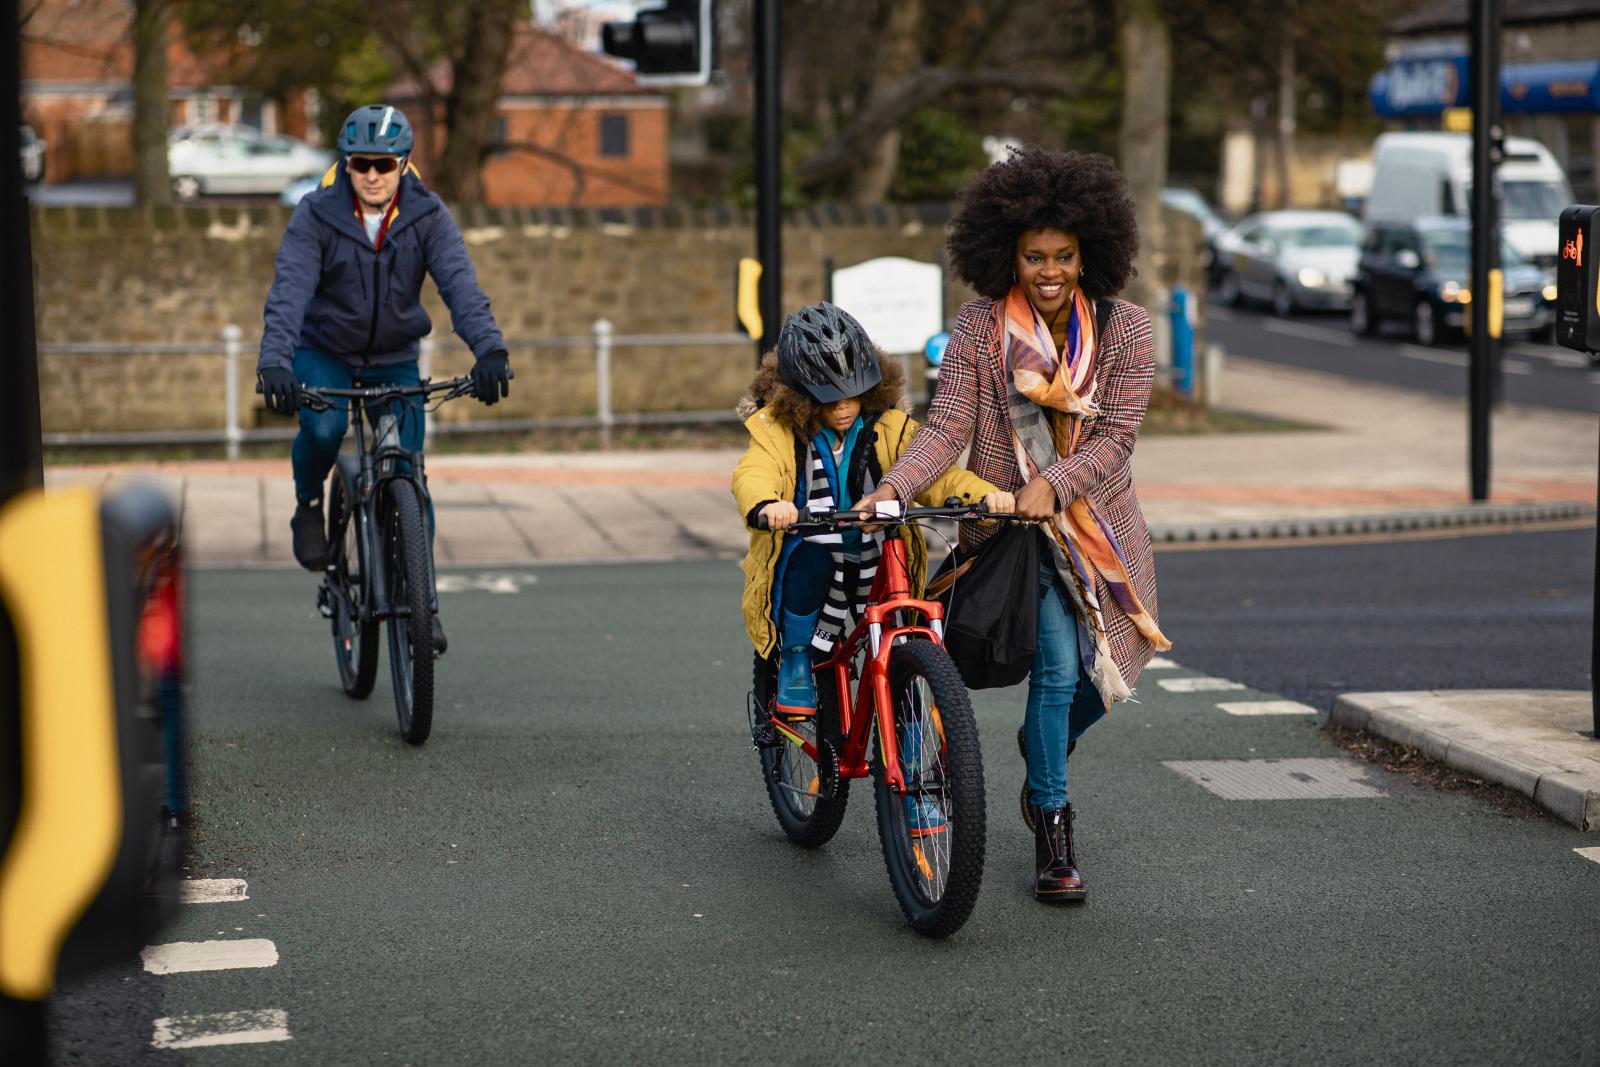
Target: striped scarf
[(1050, 405), (855, 559)]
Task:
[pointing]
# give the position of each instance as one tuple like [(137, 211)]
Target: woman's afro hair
[(1036, 188), (795, 409)]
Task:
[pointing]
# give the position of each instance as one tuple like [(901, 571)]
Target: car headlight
[(1455, 293), (1550, 293), (1312, 278)]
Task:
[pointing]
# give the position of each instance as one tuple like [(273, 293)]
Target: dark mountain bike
[(380, 558)]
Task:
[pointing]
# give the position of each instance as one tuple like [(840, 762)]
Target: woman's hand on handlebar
[(780, 515), (1037, 500), (1000, 502)]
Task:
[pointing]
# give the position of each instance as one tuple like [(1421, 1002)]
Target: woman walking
[(1046, 379)]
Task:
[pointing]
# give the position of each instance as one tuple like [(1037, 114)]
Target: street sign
[(898, 301), (1577, 282)]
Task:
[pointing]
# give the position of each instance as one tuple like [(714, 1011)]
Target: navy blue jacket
[(333, 291)]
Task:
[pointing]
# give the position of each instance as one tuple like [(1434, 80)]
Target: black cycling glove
[(280, 389), (491, 377)]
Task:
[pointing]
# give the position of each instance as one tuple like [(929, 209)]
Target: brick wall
[(178, 275)]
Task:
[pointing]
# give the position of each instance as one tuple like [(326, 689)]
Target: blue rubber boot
[(923, 814), (797, 688)]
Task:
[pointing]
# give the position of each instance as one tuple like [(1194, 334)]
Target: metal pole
[(21, 446), (1486, 138), (769, 170), (230, 352), (425, 371), (602, 379)]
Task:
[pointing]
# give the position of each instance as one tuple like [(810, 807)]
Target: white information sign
[(898, 301)]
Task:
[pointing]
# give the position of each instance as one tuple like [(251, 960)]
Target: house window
[(613, 135), (502, 136)]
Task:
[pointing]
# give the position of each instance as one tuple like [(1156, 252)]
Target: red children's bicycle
[(909, 725)]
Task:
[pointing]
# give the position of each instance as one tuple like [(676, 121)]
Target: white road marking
[(1161, 663), (1432, 355), (1516, 366), (1590, 853), (1550, 354), (1199, 684), (180, 956), (221, 1028), (485, 583), (1309, 332), (211, 890), (1268, 707)]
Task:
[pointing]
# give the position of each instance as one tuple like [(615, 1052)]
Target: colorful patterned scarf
[(1050, 405)]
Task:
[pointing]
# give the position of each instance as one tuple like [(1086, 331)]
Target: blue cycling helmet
[(377, 129)]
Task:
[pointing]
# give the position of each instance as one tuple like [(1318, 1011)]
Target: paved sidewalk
[(1539, 742), (1378, 454)]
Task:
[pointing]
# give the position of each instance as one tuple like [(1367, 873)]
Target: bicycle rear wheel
[(411, 624), (934, 834), (355, 633), (809, 800)]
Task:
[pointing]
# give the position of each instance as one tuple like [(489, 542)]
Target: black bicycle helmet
[(823, 350), (378, 130)]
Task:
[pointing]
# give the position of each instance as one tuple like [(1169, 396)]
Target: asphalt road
[(1540, 375), (580, 866)]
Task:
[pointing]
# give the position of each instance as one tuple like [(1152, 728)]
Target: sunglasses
[(383, 164)]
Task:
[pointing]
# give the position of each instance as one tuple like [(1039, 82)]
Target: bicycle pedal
[(324, 602)]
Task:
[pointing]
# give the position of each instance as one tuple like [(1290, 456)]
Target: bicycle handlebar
[(316, 397), (847, 518)]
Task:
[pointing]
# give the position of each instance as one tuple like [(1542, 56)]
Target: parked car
[(1294, 259), (1420, 273), (32, 155), (1188, 199), (222, 159), (1418, 175)]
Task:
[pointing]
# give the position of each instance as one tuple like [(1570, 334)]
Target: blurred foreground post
[(769, 170), (1487, 140)]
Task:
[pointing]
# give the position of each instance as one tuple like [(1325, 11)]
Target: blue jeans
[(1062, 702), (316, 446)]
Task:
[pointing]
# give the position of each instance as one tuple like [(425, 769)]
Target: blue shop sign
[(1427, 86)]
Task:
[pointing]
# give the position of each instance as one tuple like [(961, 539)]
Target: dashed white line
[(211, 890), (1268, 707), (1161, 663), (1516, 366), (1198, 685), (1590, 853), (1431, 355), (221, 1028), (181, 956), (1310, 333)]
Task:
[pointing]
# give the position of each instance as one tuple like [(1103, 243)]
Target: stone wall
[(179, 275)]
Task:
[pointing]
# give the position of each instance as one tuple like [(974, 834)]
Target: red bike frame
[(891, 593)]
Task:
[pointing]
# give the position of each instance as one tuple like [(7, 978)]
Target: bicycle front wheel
[(355, 633), (933, 834), (808, 799), (411, 621)]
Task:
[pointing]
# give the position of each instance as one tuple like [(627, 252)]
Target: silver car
[(224, 159), (1294, 260)]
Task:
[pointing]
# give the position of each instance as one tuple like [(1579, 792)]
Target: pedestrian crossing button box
[(1577, 282)]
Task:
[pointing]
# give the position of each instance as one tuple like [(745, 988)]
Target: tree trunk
[(1286, 119), (1146, 91), (898, 57), (472, 106), (151, 182)]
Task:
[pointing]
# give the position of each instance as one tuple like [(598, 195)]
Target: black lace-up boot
[(1057, 878)]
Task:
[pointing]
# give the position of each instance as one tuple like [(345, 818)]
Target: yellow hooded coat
[(767, 472)]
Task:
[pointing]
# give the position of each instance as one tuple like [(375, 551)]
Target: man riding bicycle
[(344, 308)]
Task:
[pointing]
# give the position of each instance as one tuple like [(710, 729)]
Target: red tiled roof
[(91, 40), (541, 64)]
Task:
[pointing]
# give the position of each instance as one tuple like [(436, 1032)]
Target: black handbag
[(991, 607)]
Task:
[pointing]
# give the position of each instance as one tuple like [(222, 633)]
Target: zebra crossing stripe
[(221, 1028), (1161, 663), (181, 956), (1268, 707), (211, 890), (1199, 684), (1590, 853)]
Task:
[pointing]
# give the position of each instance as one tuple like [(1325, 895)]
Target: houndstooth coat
[(970, 407)]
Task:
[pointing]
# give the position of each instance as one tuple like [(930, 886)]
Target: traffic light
[(91, 610), (668, 45), (1577, 281)]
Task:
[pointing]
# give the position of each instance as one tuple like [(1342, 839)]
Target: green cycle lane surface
[(581, 866)]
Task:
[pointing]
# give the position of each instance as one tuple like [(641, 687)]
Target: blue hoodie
[(332, 290)]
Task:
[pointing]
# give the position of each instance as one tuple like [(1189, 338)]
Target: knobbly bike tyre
[(355, 632), (937, 911), (813, 826), (411, 622)]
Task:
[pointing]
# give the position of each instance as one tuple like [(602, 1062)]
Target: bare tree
[(1146, 105), (151, 182)]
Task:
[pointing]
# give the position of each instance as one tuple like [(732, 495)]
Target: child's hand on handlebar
[(1000, 502), (780, 515)]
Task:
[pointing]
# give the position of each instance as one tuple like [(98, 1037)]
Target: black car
[(1420, 273)]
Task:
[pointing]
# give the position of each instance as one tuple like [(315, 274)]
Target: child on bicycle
[(825, 423)]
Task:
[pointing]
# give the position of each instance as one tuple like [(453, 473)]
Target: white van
[(1421, 174)]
